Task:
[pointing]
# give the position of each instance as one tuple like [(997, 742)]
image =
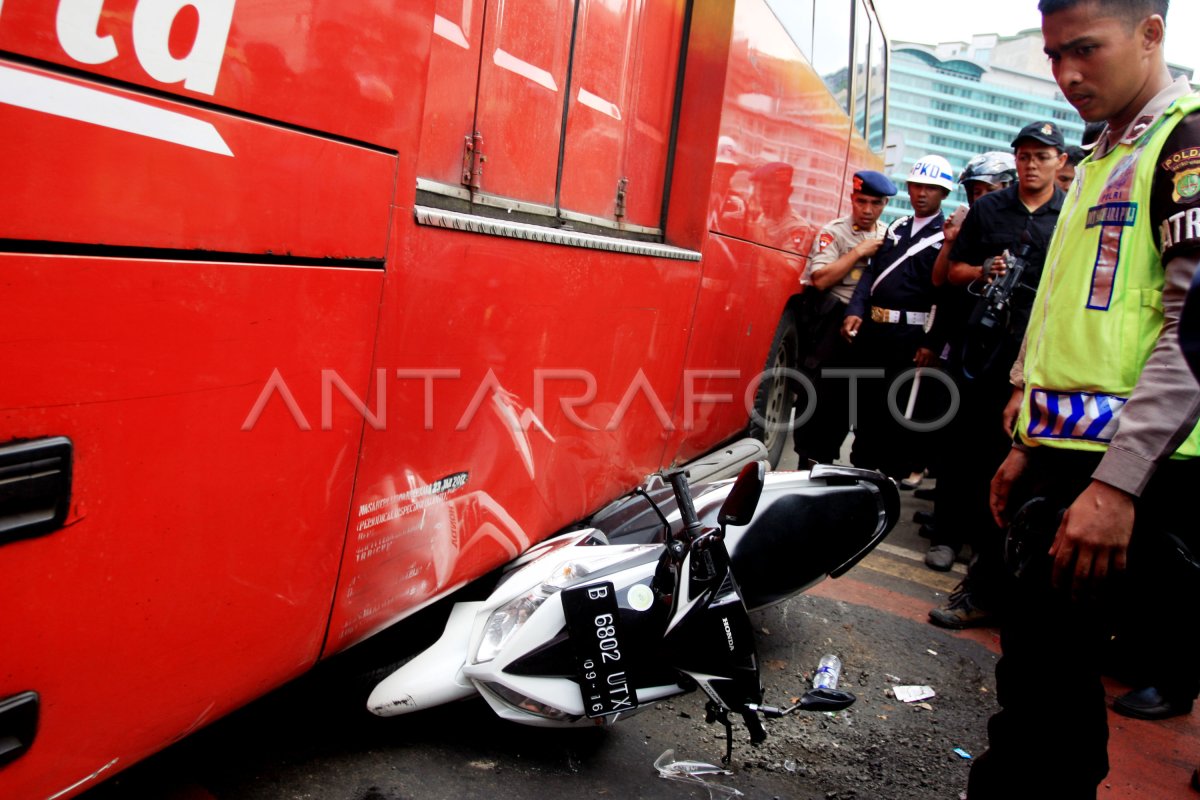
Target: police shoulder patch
[(1187, 185), (825, 240), (1181, 160)]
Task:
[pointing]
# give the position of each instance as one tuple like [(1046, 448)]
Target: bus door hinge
[(473, 158), (622, 191)]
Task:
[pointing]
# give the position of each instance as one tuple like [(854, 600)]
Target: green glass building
[(961, 99)]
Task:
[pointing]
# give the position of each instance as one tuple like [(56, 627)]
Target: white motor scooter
[(651, 601)]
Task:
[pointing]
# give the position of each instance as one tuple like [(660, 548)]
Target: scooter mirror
[(738, 508), (826, 700)]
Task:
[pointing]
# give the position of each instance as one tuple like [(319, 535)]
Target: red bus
[(312, 311)]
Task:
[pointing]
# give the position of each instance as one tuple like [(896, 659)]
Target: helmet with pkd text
[(994, 167), (932, 170)]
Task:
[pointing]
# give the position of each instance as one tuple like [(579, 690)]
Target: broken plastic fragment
[(690, 772), (962, 753), (911, 694)]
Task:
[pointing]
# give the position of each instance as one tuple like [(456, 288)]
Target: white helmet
[(933, 170)]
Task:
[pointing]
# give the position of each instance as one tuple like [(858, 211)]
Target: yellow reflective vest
[(1099, 307)]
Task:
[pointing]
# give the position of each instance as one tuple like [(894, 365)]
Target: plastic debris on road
[(961, 753), (690, 772), (912, 694)]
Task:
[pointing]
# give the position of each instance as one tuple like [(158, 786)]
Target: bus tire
[(776, 395)]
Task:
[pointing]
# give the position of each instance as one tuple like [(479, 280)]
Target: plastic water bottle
[(829, 669)]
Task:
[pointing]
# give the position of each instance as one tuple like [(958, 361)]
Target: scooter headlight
[(506, 620)]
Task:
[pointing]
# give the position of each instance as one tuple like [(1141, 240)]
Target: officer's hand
[(850, 327), (924, 357), (1003, 482), (1093, 538), (1013, 410), (868, 247)]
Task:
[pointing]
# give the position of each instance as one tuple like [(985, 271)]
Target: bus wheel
[(777, 393)]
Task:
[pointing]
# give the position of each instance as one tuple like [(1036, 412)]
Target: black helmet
[(995, 167), (1029, 537)]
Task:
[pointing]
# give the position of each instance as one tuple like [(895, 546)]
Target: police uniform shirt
[(834, 241), (908, 287), (1162, 410)]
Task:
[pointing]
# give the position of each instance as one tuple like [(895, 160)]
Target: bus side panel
[(542, 388), (197, 565), (183, 178), (354, 69), (776, 109), (731, 335)]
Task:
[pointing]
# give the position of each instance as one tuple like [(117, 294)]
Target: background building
[(959, 99)]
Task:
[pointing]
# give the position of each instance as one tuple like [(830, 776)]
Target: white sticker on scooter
[(639, 597)]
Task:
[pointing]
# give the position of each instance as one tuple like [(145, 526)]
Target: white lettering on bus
[(77, 24)]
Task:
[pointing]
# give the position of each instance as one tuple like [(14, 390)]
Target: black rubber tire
[(776, 394)]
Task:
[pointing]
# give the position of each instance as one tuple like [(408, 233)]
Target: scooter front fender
[(434, 676)]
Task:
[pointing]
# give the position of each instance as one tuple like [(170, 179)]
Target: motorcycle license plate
[(594, 623)]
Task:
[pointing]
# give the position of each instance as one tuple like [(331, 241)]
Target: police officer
[(985, 173), (837, 260), (1107, 428), (1066, 175), (1189, 339), (887, 320), (1019, 220)]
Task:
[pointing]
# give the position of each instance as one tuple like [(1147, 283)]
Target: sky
[(933, 21)]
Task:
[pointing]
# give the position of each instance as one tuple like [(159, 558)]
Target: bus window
[(450, 99), (522, 77), (878, 92), (618, 125), (831, 47), (797, 19), (862, 42), (600, 77), (501, 75), (649, 132)]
